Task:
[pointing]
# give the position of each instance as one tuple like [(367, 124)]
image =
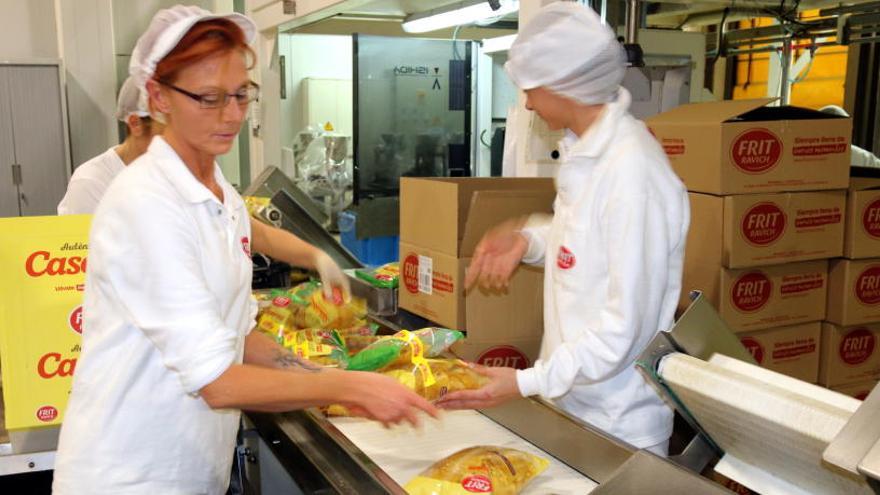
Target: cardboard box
[(858, 390), (750, 299), (791, 350), (862, 229), (853, 291), (765, 229), (742, 146), (516, 353), (849, 354), (441, 222)]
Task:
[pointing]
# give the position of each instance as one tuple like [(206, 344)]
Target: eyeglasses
[(219, 99)]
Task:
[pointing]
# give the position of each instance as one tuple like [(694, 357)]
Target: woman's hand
[(384, 399), (331, 276), (497, 256), (501, 388)]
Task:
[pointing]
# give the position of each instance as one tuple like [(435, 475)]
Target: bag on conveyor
[(323, 347), (484, 469), (404, 347), (313, 310)]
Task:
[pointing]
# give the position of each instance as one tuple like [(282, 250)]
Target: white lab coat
[(89, 182), (167, 307), (613, 257)]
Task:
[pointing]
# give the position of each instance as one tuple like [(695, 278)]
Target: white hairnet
[(834, 110), (566, 49), (130, 101), (166, 30)]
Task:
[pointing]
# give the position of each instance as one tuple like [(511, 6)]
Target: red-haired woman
[(168, 356)]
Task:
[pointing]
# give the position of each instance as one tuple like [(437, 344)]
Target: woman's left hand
[(331, 276), (501, 388)]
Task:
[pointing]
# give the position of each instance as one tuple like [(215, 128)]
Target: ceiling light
[(458, 14)]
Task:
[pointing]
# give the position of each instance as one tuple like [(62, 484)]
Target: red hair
[(203, 40)]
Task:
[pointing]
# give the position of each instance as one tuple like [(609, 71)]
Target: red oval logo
[(411, 273), (857, 346), (75, 320), (504, 356), (756, 151), (47, 413), (477, 483), (763, 224), (246, 245), (281, 301), (871, 218), (565, 259), (868, 285), (751, 292), (754, 347)]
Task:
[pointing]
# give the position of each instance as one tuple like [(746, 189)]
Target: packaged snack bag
[(483, 469), (319, 346), (313, 310), (449, 375), (403, 347), (385, 277)]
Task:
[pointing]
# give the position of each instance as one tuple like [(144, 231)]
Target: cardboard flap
[(711, 112), (863, 183), (489, 208)]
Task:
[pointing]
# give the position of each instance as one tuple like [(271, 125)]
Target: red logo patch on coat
[(565, 259), (246, 245)]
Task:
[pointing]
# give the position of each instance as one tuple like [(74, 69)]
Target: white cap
[(834, 110), (166, 30), (130, 101), (566, 49)]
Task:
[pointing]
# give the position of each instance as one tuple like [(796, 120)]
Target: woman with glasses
[(169, 358)]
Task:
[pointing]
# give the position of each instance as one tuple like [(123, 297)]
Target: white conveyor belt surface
[(403, 452)]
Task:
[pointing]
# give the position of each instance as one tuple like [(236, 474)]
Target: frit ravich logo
[(868, 285), (754, 347), (565, 259), (857, 346), (751, 291), (477, 483), (871, 218), (504, 356), (763, 224), (246, 245), (756, 151), (75, 320), (47, 413), (411, 273)]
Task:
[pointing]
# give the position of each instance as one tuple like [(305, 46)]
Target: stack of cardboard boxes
[(767, 212), (850, 336), (441, 223)]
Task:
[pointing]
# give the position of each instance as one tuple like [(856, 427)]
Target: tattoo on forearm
[(287, 360)]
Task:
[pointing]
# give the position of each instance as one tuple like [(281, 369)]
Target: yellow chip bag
[(482, 469)]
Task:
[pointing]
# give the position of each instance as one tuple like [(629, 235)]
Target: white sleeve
[(637, 250), (81, 198), (864, 158), (151, 261), (536, 230)]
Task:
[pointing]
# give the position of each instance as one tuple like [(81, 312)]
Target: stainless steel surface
[(857, 438), (785, 78), (633, 19), (299, 214), (380, 301), (584, 448), (646, 473), (700, 332)]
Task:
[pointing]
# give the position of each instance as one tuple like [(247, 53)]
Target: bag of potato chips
[(403, 347), (326, 348), (483, 469), (313, 310), (385, 277)]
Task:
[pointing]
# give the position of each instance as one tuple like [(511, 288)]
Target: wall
[(27, 30), (309, 56)]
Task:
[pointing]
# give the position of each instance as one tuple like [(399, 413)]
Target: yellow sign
[(42, 277)]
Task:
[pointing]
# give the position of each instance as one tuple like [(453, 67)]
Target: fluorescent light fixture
[(458, 14), (499, 44)]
